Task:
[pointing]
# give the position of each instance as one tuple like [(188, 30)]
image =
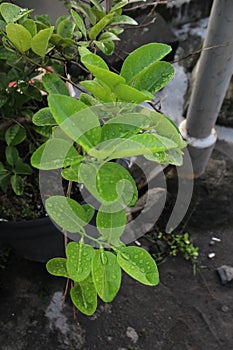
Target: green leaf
[(22, 168), (106, 36), (14, 135), (82, 126), (79, 22), (155, 77), (165, 127), (9, 12), (45, 131), (45, 19), (91, 59), (100, 70), (116, 127), (88, 100), (71, 173), (172, 156), (3, 170), (90, 211), (123, 20), (66, 213), (39, 43), (2, 25), (84, 296), (106, 275), (54, 85), (61, 42), (109, 183), (4, 181), (131, 123), (116, 30), (107, 47), (98, 89), (141, 59), (130, 94), (63, 107), (17, 184), (65, 29), (60, 19), (19, 36), (119, 5), (79, 260), (43, 117), (86, 11), (136, 145), (142, 70), (12, 155), (138, 263), (99, 26), (97, 5), (55, 154), (111, 224), (30, 25), (115, 183), (57, 267)]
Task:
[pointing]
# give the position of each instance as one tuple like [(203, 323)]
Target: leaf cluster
[(97, 272), (29, 47)]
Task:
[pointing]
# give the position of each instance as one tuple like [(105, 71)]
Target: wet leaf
[(79, 260), (111, 224), (128, 93), (57, 267), (106, 275), (138, 263), (55, 154), (43, 117), (84, 296), (66, 213), (141, 59)]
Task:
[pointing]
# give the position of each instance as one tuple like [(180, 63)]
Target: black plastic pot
[(36, 240)]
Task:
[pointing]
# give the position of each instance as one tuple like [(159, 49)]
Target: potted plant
[(88, 134), (23, 62)]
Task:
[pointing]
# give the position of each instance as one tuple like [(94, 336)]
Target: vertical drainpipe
[(214, 72)]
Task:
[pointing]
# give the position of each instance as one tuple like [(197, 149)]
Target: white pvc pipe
[(215, 69)]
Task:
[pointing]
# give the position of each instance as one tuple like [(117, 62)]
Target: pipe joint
[(195, 142)]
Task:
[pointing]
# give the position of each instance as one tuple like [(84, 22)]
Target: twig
[(19, 121), (65, 291), (198, 51), (147, 5), (142, 25)]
